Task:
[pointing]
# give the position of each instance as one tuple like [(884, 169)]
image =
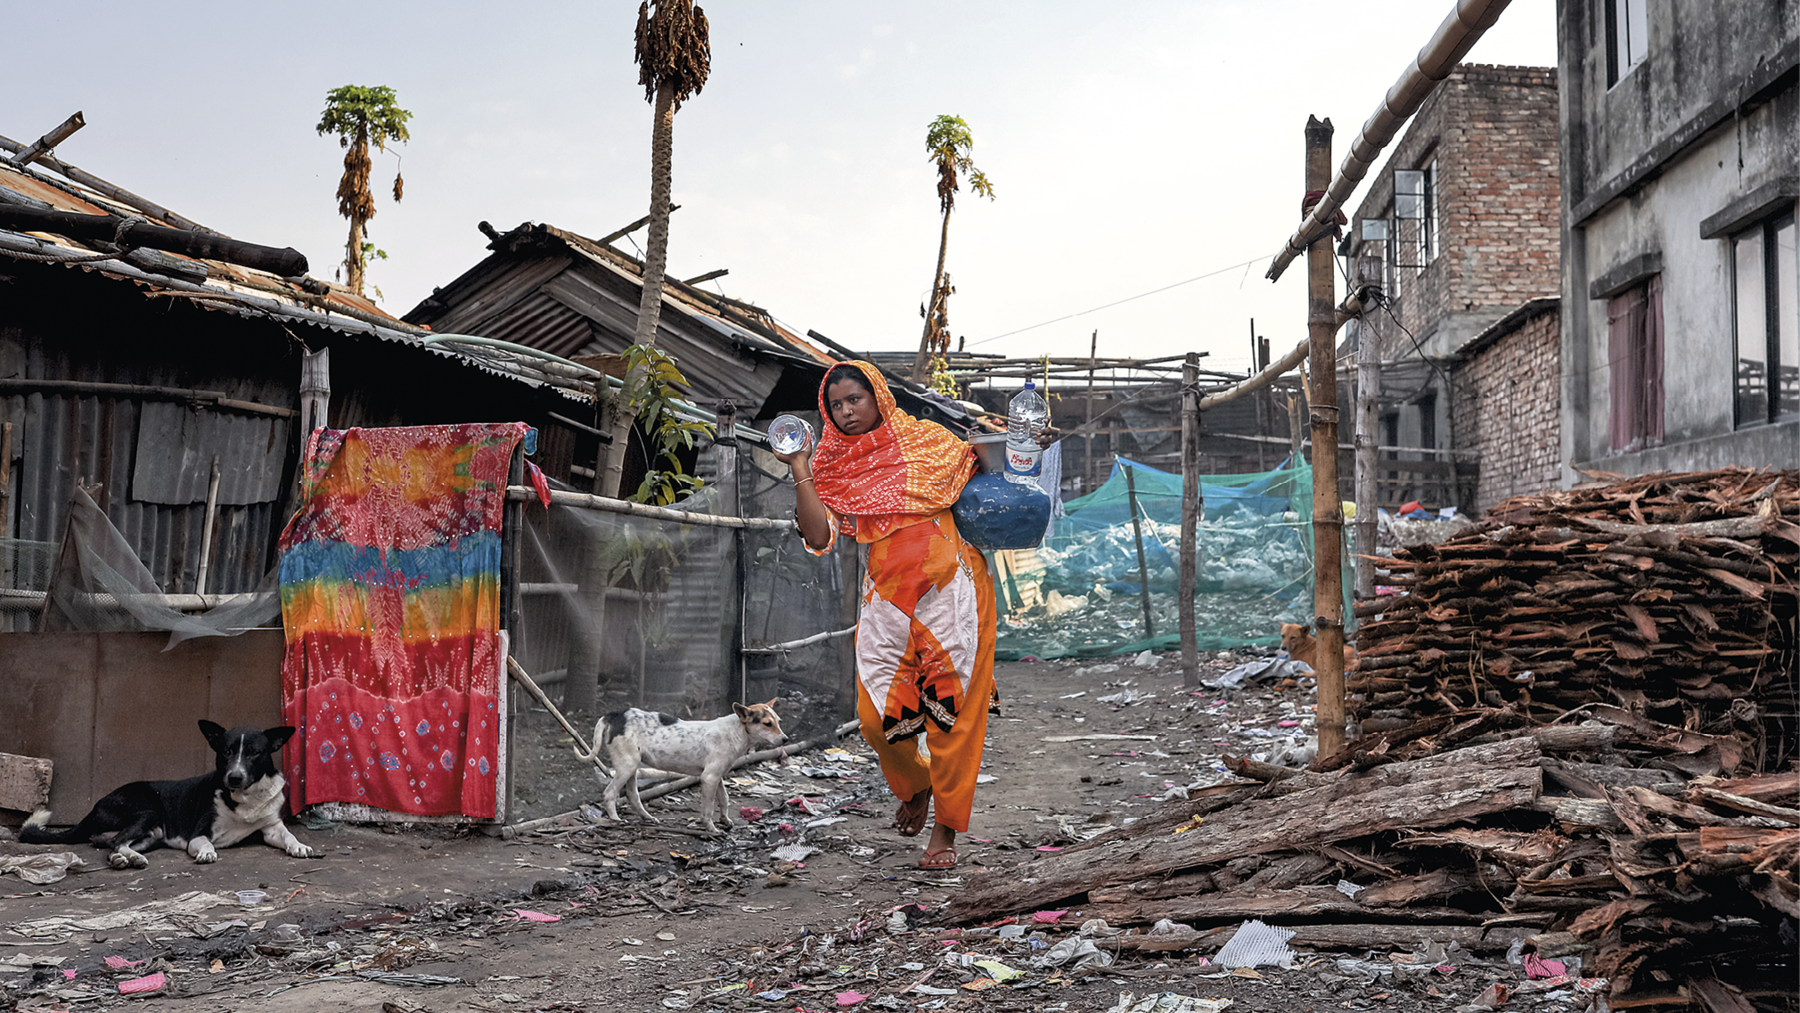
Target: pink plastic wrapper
[(850, 998), (148, 983), (522, 915), (750, 813), (1048, 917), (120, 963)]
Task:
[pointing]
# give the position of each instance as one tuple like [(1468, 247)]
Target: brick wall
[(1505, 405)]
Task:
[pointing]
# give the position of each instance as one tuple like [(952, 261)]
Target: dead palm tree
[(948, 141), (359, 117), (673, 57)]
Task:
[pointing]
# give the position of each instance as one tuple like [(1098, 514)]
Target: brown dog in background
[(1301, 645)]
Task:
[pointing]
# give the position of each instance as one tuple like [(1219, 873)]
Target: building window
[(1627, 37), (1415, 217), (1428, 423), (1634, 339), (1766, 323)]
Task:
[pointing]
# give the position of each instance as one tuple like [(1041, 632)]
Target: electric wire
[(1119, 302)]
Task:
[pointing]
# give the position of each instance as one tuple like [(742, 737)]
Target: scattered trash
[(1048, 917), (750, 813), (985, 779), (850, 998), (44, 869), (120, 963), (794, 852), (1167, 1002), (1078, 951), (1256, 944), (148, 983), (522, 915), (251, 898), (1145, 659), (1537, 967), (1350, 890), (1493, 997)]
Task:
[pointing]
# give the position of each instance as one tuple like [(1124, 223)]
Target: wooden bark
[(1361, 936), (1237, 905), (24, 782), (1349, 806)]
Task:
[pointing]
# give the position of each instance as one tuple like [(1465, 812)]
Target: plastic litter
[(1167, 1002), (1257, 944), (997, 970), (750, 813), (1350, 890), (44, 869), (1048, 917), (850, 998), (120, 963), (251, 898), (1493, 997), (794, 852), (148, 983), (1077, 951), (1537, 967), (522, 915), (1145, 659)]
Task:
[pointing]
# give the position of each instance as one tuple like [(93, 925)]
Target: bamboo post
[(1088, 430), (1368, 392), (1190, 517), (1137, 529), (725, 445), (206, 530), (512, 516), (6, 558), (1328, 518)]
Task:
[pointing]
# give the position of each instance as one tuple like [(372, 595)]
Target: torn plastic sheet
[(177, 914), (1257, 944), (46, 868), (1076, 951), (1167, 1002)]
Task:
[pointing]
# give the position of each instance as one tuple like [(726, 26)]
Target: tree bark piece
[(1434, 792)]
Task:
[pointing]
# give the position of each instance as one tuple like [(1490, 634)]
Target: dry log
[(1438, 884), (1426, 793), (1742, 804), (1377, 936), (1237, 905)]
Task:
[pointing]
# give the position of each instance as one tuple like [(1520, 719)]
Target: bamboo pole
[(1137, 529), (1328, 519), (1458, 32), (206, 531), (106, 189), (1368, 390), (606, 504), (1088, 439), (1190, 518)]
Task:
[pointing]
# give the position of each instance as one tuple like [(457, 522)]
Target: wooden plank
[(24, 782)]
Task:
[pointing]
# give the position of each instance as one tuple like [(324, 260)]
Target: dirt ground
[(601, 916)]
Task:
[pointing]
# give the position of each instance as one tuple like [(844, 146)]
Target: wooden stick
[(517, 671), (1328, 514)]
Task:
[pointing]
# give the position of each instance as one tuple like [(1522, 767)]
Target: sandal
[(910, 818), (945, 859)]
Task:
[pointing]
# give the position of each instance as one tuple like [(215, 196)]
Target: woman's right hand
[(791, 459)]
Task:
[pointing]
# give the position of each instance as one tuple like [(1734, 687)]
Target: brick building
[(1462, 226)]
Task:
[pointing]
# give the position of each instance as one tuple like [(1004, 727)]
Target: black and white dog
[(242, 797)]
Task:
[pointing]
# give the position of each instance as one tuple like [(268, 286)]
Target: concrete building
[(1461, 226), (1680, 151)]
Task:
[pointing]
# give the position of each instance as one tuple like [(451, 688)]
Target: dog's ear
[(215, 735), (771, 703), (741, 711), (278, 736)]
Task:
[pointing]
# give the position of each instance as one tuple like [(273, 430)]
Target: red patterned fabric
[(903, 466), (390, 597)]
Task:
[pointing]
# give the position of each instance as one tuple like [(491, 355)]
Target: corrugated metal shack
[(554, 290), (134, 370)]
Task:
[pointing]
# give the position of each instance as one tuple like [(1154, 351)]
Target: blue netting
[(1080, 592)]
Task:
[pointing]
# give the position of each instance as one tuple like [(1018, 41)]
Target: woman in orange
[(925, 635)]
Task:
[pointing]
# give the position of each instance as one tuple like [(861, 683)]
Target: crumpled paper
[(177, 914), (45, 868)]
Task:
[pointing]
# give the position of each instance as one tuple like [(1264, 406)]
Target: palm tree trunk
[(662, 141), (922, 362)]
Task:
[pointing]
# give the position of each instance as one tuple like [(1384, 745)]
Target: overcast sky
[(1133, 145)]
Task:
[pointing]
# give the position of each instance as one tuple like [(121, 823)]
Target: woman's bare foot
[(940, 851), (909, 819)]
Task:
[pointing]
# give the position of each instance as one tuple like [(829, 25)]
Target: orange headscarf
[(903, 466)]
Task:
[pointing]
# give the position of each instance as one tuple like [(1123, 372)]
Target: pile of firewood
[(1668, 595), (1617, 840)]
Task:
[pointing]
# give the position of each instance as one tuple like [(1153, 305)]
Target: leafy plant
[(652, 390), (361, 116), (948, 141)]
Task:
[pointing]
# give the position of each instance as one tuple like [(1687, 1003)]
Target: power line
[(1121, 302)]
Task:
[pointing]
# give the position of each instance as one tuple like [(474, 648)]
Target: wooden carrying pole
[(1190, 516), (1328, 517), (1368, 390)]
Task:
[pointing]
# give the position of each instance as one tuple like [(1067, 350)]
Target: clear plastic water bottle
[(789, 433), (1025, 418)]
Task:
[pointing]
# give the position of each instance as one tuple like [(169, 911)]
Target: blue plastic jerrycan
[(993, 513)]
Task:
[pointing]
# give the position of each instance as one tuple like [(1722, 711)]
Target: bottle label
[(1024, 462)]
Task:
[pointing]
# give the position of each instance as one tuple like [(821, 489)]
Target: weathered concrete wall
[(108, 708), (1707, 118)]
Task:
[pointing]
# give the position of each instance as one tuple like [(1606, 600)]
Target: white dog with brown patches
[(638, 738)]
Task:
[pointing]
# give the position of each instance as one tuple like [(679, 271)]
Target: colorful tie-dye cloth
[(390, 596)]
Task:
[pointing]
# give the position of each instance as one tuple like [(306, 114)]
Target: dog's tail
[(33, 831), (606, 729)]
